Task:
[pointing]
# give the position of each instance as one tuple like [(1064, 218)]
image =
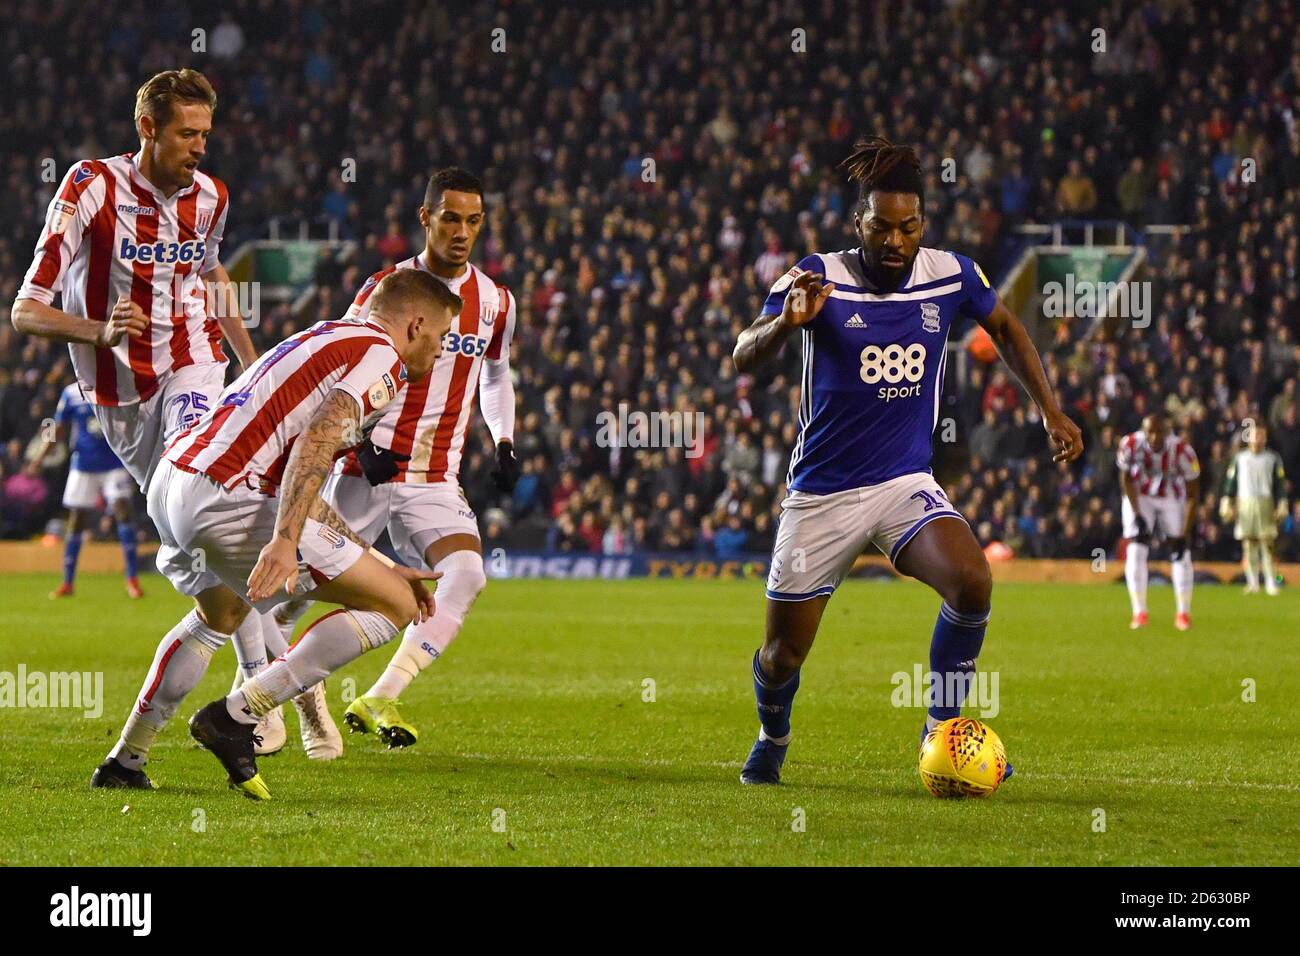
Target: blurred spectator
[(1076, 195)]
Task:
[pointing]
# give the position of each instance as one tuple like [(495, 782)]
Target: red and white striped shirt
[(1158, 473), (108, 232), (430, 421), (252, 428)]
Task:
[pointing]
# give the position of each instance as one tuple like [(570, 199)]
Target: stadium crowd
[(643, 195)]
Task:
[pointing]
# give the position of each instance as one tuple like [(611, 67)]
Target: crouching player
[(873, 340), (1159, 476), (237, 500)]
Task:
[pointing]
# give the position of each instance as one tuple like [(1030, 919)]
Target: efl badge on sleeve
[(787, 279), (61, 214), (382, 392)]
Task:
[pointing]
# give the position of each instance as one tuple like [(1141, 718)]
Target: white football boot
[(272, 733), (321, 740)]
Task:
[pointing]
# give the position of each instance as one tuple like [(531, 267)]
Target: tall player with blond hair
[(131, 250)]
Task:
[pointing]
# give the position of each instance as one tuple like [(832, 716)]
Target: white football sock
[(286, 617), (250, 648), (178, 665), (1181, 572), (273, 636), (1135, 575), (1248, 562), (460, 585), (332, 641), (1270, 572)]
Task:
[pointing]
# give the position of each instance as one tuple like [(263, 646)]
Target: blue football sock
[(953, 651), (126, 535), (774, 703), (71, 551)]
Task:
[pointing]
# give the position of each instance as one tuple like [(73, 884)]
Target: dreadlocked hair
[(878, 164)]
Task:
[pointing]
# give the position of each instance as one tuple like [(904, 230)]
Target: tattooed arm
[(327, 516), (334, 426)]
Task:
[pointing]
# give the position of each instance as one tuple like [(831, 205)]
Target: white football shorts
[(84, 487), (139, 433), (820, 536), (1255, 519), (213, 536), (1166, 514), (416, 515)]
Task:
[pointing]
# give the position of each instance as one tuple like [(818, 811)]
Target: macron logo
[(855, 322), (136, 210), (73, 909)]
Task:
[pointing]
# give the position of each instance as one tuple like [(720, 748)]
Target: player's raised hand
[(1065, 435), (127, 318), (276, 568), (806, 297)]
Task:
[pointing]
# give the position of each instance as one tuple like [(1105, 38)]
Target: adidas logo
[(855, 321)]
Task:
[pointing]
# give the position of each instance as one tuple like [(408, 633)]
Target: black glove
[(506, 475), (379, 464), (1144, 530), (1177, 548)]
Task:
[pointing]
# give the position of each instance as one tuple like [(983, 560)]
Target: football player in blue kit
[(873, 323), (95, 471)]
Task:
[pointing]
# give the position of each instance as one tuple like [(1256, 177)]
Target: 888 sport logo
[(899, 368)]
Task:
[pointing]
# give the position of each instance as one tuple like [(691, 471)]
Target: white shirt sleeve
[(496, 398), (374, 378), (67, 220)]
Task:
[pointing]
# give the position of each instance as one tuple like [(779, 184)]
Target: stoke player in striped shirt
[(131, 250), (237, 501), (406, 475), (1160, 478), (128, 244)]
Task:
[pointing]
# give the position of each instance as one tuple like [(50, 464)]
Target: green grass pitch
[(537, 746)]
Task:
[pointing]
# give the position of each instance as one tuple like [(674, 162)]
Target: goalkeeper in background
[(1254, 495)]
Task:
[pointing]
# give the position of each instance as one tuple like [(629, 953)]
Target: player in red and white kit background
[(406, 475), (1160, 479)]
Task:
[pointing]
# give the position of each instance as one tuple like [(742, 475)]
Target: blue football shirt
[(873, 366), (90, 450)]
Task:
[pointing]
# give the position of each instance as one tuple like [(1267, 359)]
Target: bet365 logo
[(894, 365), (470, 346), (165, 252)]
